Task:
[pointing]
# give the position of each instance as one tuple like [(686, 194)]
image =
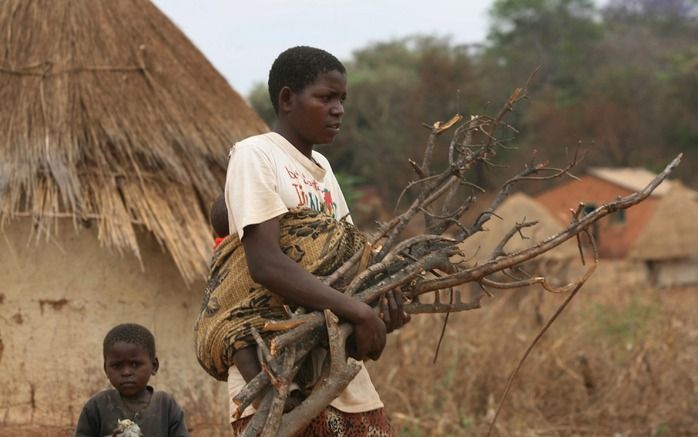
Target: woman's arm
[(270, 267)]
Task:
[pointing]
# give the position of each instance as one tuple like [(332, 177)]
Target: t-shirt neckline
[(311, 165)]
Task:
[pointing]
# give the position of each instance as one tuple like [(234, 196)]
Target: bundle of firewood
[(425, 267)]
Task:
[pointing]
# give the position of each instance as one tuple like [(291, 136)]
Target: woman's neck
[(297, 142)]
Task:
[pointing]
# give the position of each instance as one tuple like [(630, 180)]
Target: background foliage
[(621, 80)]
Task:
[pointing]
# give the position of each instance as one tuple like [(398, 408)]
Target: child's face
[(129, 367), (315, 113)]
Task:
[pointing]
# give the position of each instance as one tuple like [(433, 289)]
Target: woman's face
[(315, 113)]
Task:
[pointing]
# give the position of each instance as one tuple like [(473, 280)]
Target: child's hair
[(129, 333), (297, 68), (219, 217)]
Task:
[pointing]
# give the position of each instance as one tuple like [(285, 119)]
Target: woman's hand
[(392, 311), (368, 339)]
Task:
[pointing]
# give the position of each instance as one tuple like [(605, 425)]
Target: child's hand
[(392, 311)]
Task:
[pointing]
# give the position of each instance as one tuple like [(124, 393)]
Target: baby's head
[(219, 217), (129, 358)]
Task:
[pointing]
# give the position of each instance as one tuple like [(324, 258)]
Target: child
[(219, 220), (271, 174), (245, 358), (129, 361)]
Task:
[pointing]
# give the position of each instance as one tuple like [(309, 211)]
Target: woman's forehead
[(331, 79)]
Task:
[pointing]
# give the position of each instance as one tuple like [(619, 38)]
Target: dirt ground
[(616, 363)]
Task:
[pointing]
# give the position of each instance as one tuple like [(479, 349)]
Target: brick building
[(617, 232)]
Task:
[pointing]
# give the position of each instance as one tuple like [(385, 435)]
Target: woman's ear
[(286, 99)]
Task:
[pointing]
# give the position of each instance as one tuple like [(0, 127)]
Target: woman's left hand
[(392, 311)]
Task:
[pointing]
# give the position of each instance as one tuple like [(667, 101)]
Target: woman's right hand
[(368, 339)]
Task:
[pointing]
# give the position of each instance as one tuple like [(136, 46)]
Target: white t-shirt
[(266, 176)]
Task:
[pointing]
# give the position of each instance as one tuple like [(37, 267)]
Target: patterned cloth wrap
[(233, 303)]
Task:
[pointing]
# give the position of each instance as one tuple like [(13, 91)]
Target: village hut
[(616, 233), (517, 208), (669, 242), (114, 132)]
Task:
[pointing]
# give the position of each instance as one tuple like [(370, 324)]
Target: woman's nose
[(337, 109)]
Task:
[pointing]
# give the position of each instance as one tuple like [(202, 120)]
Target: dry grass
[(621, 363)]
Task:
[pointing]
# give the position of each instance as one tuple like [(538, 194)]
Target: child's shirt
[(162, 417), (267, 176)]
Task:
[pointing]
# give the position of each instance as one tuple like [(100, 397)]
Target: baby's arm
[(246, 361)]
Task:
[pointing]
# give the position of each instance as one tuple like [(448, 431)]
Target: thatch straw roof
[(672, 231), (109, 113), (517, 208), (631, 178)]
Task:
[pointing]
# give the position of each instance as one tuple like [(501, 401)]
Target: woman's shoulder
[(260, 140)]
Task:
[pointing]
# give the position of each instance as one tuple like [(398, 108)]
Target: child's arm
[(89, 422), (176, 426), (270, 267)]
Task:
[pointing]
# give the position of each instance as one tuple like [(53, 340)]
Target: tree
[(555, 34), (393, 88)]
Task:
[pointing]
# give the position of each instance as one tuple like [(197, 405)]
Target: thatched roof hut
[(518, 207), (114, 131), (109, 113), (672, 231)]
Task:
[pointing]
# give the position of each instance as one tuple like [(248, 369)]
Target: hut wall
[(676, 272), (58, 299), (614, 237), (610, 274)]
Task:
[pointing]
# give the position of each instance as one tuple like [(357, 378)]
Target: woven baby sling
[(233, 303)]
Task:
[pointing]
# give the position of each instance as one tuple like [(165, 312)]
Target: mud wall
[(58, 298)]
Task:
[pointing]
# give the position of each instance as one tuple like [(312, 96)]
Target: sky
[(242, 38)]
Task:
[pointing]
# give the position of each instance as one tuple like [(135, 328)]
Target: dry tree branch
[(418, 265)]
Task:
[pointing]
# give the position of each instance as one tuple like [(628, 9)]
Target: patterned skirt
[(334, 423)]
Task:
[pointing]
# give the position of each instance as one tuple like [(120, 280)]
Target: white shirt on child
[(266, 176)]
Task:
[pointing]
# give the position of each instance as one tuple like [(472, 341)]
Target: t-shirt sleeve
[(177, 427), (251, 194), (89, 421)]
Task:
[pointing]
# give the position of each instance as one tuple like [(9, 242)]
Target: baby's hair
[(219, 217), (129, 333), (297, 68)]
